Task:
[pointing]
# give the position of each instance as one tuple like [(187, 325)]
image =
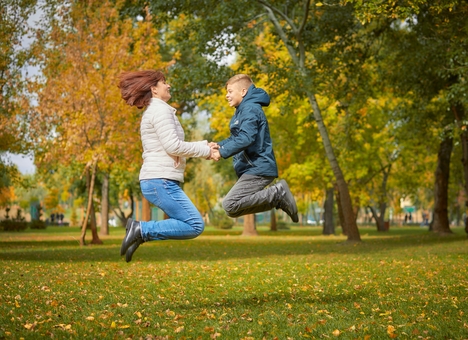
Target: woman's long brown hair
[(135, 86)]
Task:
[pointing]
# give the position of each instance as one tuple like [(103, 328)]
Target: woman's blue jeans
[(185, 221)]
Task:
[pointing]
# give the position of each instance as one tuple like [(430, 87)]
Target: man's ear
[(244, 92)]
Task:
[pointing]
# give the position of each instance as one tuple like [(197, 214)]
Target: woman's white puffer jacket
[(164, 148)]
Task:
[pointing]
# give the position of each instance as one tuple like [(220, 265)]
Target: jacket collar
[(157, 101)]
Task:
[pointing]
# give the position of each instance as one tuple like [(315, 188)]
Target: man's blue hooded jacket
[(250, 142)]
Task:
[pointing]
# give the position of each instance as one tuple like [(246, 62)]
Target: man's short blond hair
[(243, 79)]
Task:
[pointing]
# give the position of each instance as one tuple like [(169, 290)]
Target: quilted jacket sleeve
[(171, 136)]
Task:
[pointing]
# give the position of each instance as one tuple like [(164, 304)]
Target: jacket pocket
[(176, 161), (247, 159)]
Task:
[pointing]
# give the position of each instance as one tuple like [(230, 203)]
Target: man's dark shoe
[(132, 249), (287, 202), (132, 235)]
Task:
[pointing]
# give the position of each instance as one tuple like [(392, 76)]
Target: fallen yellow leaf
[(29, 325), (391, 332)]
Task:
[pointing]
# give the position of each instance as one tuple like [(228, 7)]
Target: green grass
[(292, 284)]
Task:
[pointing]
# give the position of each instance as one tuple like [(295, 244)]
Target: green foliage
[(220, 220), (13, 59), (387, 76), (281, 225), (286, 284), (8, 174), (13, 225), (37, 224), (73, 217)]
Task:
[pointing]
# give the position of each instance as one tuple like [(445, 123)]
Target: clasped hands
[(214, 155)]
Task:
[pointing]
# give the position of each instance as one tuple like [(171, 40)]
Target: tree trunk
[(249, 226), (296, 50), (94, 233), (459, 113), (340, 212), (145, 209), (273, 226), (121, 215), (105, 205), (441, 224), (464, 142), (379, 219), (84, 222), (328, 224), (90, 187), (458, 214), (349, 219)]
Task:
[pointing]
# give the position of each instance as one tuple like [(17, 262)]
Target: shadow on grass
[(216, 248), (254, 301)]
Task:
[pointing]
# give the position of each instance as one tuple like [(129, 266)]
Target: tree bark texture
[(249, 226), (441, 222), (94, 233), (379, 217), (145, 209), (90, 179), (121, 215), (273, 226), (84, 225), (328, 223), (105, 205), (349, 219), (459, 113), (340, 213)]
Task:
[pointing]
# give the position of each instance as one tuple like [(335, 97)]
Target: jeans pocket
[(149, 189)]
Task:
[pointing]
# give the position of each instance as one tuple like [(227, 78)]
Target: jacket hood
[(255, 95)]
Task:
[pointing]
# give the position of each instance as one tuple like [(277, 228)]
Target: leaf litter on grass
[(241, 288)]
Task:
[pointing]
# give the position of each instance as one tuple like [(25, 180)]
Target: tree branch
[(280, 13), (282, 34), (304, 20)]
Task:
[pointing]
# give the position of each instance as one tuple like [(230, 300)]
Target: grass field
[(292, 284)]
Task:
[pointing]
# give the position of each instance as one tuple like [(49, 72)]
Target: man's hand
[(214, 155)]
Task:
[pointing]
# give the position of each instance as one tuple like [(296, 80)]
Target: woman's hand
[(214, 155)]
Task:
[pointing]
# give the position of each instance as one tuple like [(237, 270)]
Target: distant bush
[(11, 225), (281, 225), (37, 224), (221, 221)]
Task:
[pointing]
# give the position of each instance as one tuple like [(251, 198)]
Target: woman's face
[(161, 91)]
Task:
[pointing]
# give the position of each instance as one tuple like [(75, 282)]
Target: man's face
[(235, 94)]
